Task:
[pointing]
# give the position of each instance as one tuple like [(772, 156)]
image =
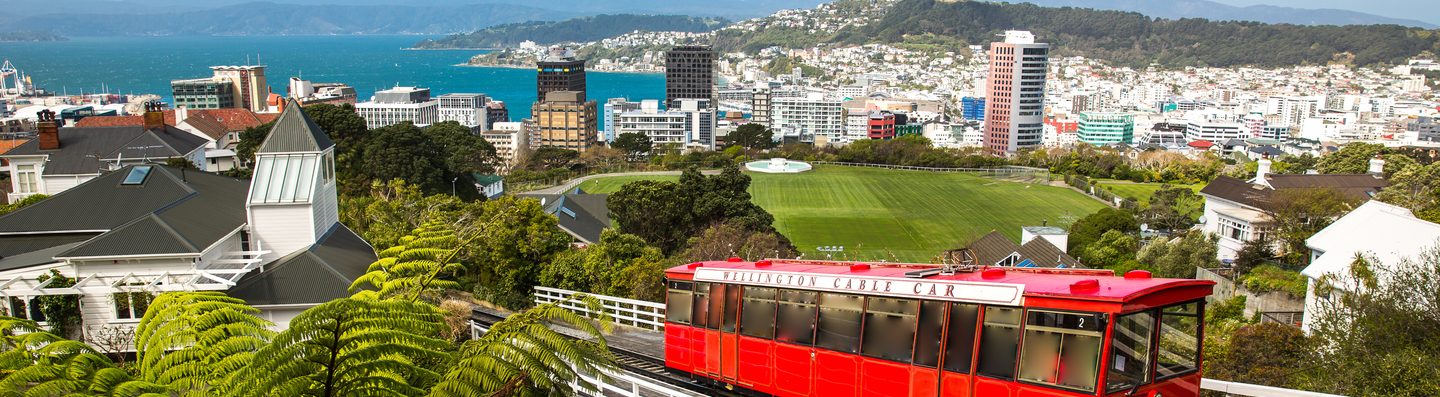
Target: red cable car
[(824, 328)]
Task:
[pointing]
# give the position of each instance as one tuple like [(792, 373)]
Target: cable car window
[(678, 302), (1062, 349), (960, 339), (701, 310), (1179, 340), (1130, 351), (999, 340), (796, 318), (758, 313), (839, 325), (927, 335), (889, 328), (732, 307), (716, 314)]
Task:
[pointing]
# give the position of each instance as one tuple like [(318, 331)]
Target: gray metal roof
[(172, 212), (315, 275), (295, 132), (1045, 254), (84, 149), (12, 245)]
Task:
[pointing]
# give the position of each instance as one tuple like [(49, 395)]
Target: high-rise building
[(511, 142), (203, 93), (559, 71), (248, 84), (808, 118), (467, 109), (400, 104), (310, 93), (1099, 128), (1214, 127), (690, 124), (1015, 94), (972, 108), (496, 112), (760, 106), (689, 74), (565, 120), (613, 108), (881, 125)]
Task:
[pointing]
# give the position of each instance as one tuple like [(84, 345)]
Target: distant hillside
[(29, 36), (289, 19), (581, 29), (1176, 9), (1129, 38)]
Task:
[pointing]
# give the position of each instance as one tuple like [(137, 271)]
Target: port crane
[(12, 79)]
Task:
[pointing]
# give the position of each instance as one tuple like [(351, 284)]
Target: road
[(571, 184)]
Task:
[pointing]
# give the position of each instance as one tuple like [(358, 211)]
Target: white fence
[(651, 316), (1004, 172), (634, 313)]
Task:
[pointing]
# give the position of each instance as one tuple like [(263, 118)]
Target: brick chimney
[(154, 116), (48, 130)]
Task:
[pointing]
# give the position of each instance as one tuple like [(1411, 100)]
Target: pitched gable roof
[(992, 248), (318, 274), (1044, 254), (232, 119), (83, 149), (169, 213), (1354, 186), (295, 132)]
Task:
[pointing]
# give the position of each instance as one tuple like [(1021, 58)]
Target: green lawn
[(613, 183), (897, 215), (1138, 191)]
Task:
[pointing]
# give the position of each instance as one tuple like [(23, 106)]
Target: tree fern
[(523, 355), (37, 363), (350, 347), (422, 261), (194, 341)]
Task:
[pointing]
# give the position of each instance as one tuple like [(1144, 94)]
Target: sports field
[(897, 215)]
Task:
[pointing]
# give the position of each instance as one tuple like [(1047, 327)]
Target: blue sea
[(368, 63)]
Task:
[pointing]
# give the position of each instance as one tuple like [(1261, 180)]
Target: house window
[(1234, 230), (26, 180), (131, 305), (24, 308)]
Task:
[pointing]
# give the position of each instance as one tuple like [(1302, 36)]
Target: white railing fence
[(629, 312), (617, 383), (1245, 389)]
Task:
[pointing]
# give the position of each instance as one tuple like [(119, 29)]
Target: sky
[(1423, 10)]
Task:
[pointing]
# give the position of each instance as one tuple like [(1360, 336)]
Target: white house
[(1384, 234), (61, 158), (125, 235), (1236, 210)]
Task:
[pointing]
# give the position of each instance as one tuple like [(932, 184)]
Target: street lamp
[(452, 186)]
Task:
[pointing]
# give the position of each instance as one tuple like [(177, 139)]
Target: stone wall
[(1265, 302)]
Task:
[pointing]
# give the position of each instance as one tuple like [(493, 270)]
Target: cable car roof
[(1082, 284)]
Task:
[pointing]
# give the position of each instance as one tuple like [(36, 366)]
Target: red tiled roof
[(231, 119), (1201, 144), (7, 144)]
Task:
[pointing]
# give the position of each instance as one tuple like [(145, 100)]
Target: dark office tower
[(559, 71), (689, 74)]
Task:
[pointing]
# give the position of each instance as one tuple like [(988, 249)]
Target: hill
[(897, 215), (264, 18), (1129, 38), (29, 36), (581, 29), (1177, 9)]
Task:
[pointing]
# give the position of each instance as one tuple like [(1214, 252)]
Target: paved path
[(571, 184)]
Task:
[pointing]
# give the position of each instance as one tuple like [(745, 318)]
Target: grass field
[(1137, 191), (613, 183), (898, 215)]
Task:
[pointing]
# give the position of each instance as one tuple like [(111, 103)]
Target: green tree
[(61, 311), (1172, 209), (752, 136), (1415, 187), (1353, 158), (38, 363), (667, 214), (465, 154), (349, 347), (1113, 248), (635, 145), (1254, 253), (422, 262), (728, 239), (1178, 258), (404, 151), (1265, 353), (523, 355), (1297, 214), (552, 158), (393, 210), (514, 238), (1375, 323), (198, 343), (1090, 228)]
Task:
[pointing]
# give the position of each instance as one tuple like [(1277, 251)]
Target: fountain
[(778, 166)]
